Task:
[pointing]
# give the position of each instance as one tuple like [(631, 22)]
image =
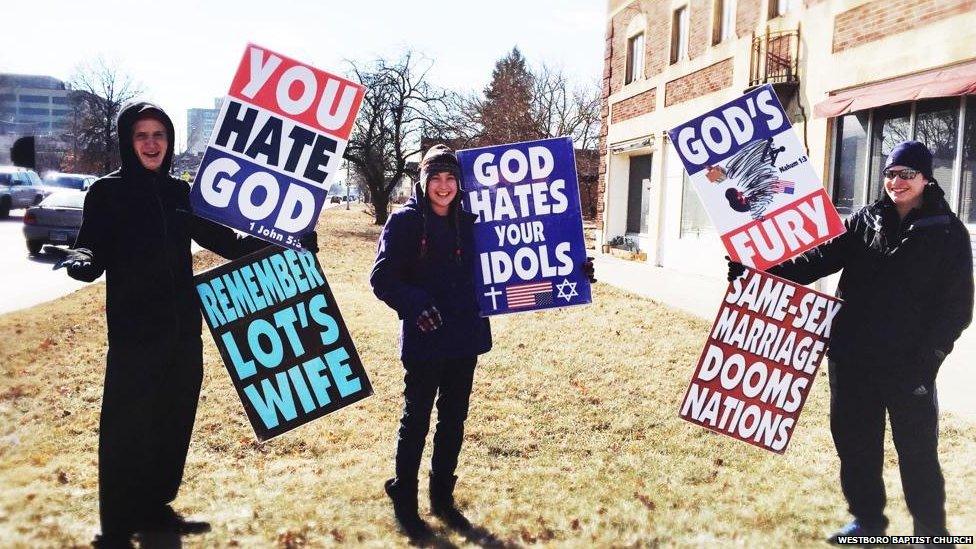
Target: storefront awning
[(944, 82)]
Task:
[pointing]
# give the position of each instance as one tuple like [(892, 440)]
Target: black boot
[(442, 502), (403, 493)]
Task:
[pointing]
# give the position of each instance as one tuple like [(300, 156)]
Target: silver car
[(55, 220), (19, 188)]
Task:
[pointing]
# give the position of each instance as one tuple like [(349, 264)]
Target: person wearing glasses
[(907, 286)]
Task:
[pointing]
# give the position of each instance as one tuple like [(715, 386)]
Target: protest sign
[(275, 148), (282, 339), (760, 360), (755, 180), (529, 231)]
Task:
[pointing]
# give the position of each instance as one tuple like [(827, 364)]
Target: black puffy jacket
[(138, 225), (907, 285)]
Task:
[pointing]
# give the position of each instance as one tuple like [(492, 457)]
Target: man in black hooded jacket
[(136, 229)]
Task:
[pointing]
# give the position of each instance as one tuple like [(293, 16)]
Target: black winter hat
[(914, 155), (439, 158)]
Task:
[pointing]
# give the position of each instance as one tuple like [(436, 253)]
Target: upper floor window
[(782, 7), (635, 58), (723, 19), (679, 34)]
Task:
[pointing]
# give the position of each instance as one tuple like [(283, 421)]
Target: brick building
[(854, 76)]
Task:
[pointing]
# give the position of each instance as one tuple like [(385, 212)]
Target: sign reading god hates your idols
[(528, 233), (755, 180), (275, 148)]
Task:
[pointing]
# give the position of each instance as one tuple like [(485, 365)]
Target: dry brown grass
[(573, 437)]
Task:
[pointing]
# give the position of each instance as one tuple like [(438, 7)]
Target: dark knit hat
[(439, 158), (914, 155)]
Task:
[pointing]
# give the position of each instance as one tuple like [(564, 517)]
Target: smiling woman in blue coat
[(423, 271)]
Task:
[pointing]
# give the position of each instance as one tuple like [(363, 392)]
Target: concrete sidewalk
[(701, 295)]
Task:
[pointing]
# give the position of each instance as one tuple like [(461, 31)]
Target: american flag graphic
[(781, 186), (529, 295)]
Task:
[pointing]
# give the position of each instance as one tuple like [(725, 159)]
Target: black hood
[(127, 152)]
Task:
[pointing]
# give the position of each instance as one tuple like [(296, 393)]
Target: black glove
[(310, 242), (736, 269), (589, 270), (80, 258), (429, 319)]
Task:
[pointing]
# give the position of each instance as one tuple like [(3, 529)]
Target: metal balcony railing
[(774, 58)]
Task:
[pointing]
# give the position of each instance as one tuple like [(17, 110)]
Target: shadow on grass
[(159, 540), (481, 536)]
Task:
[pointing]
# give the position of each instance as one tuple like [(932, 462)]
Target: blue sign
[(279, 331), (722, 132), (529, 232)]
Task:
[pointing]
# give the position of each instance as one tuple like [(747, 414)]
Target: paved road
[(27, 280)]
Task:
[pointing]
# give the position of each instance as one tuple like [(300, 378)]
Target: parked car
[(76, 181), (55, 220), (19, 188)]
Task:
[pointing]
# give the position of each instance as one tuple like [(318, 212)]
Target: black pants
[(148, 409), (859, 397), (450, 381)]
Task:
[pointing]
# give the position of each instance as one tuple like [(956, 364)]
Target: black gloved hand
[(429, 319), (310, 242), (589, 270), (75, 259), (736, 269)]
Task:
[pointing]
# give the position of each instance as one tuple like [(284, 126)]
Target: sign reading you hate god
[(276, 147)]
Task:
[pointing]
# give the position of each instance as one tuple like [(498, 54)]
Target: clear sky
[(183, 53)]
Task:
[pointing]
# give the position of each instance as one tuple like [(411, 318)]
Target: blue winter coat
[(409, 282)]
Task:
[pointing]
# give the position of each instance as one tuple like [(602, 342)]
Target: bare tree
[(99, 90), (399, 103), (560, 108)]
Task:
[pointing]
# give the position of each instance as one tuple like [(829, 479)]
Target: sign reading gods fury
[(275, 148), (282, 339), (760, 360), (754, 179), (529, 232)]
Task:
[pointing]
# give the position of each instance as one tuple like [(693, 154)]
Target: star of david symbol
[(562, 289)]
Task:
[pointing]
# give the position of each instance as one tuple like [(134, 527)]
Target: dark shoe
[(442, 503), (112, 541), (166, 519), (403, 493), (855, 529)]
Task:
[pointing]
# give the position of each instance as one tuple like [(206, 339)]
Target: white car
[(19, 188)]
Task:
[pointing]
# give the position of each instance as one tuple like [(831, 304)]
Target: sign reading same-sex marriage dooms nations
[(283, 341), (760, 360), (275, 148), (755, 180), (529, 231)]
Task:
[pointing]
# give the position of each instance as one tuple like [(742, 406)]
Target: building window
[(723, 18), (694, 218), (34, 98), (967, 187), (29, 110), (863, 140), (635, 58), (782, 7), (679, 34), (58, 100)]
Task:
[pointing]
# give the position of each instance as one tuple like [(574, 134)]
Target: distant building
[(199, 126), (33, 105), (865, 75)]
